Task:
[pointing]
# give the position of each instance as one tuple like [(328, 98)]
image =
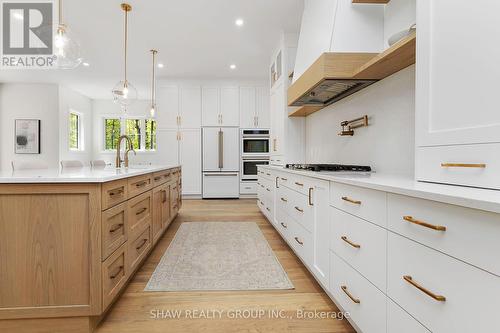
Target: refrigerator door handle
[(221, 149)]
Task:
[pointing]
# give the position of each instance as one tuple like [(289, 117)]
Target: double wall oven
[(254, 152)]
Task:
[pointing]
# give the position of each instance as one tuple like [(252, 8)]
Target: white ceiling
[(195, 39)]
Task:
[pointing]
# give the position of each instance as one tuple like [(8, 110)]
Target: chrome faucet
[(119, 161)]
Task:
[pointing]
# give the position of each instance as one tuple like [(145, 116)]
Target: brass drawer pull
[(116, 228), (268, 174), (262, 186), (438, 298), (355, 300), (298, 241), (463, 165), (345, 239), (284, 179), (119, 270), (276, 181), (356, 202), (115, 192), (284, 200), (141, 184), (141, 211), (164, 196), (174, 188), (299, 184), (310, 196), (157, 178), (261, 202), (268, 209), (268, 190), (143, 242), (298, 209), (424, 224), (284, 225)]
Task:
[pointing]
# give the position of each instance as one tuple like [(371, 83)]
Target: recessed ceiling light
[(160, 65), (232, 66), (86, 64), (239, 22)]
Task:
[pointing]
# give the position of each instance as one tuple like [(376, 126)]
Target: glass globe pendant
[(124, 93), (152, 108), (66, 47)]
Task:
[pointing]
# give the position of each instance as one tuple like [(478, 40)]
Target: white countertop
[(77, 175), (477, 198)]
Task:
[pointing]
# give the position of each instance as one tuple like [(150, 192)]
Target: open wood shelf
[(371, 1), (395, 58)]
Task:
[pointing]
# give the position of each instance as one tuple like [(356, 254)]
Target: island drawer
[(139, 248), (161, 177), (139, 213), (114, 275), (139, 184), (114, 225), (114, 193)]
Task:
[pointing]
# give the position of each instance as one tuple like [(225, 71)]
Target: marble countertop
[(77, 175), (477, 198)]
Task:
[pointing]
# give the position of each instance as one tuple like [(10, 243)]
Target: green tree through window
[(133, 130), (74, 131), (150, 138), (112, 129)]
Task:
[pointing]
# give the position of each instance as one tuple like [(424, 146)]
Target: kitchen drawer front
[(370, 313), (114, 228), (114, 275), (161, 177), (114, 193), (297, 183), (301, 209), (361, 244), (468, 170), (398, 320), (301, 241), (139, 248), (282, 221), (362, 202), (248, 188), (283, 198), (471, 235), (472, 296), (139, 184), (139, 210), (264, 173)]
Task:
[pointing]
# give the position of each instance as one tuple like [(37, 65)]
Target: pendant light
[(66, 47), (124, 93), (152, 107)]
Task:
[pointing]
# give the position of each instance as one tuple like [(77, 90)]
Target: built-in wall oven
[(249, 167), (254, 142)]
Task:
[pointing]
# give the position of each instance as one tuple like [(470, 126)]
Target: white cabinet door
[(168, 146), (231, 149), (211, 149), (278, 123), (247, 107), (210, 106), (457, 72), (190, 159), (230, 106), (190, 107), (168, 106), (262, 107), (318, 198)]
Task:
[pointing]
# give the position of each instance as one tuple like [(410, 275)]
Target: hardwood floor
[(132, 311)]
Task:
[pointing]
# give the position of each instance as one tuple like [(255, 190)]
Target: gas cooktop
[(329, 167)]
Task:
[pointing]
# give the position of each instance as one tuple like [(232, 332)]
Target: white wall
[(399, 15), (70, 100), (30, 101), (387, 144)]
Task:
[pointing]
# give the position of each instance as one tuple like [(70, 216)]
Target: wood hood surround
[(334, 67)]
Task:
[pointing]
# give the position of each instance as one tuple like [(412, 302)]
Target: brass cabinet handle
[(141, 184), (345, 239), (141, 211), (115, 192), (164, 196), (268, 174), (116, 228), (298, 241), (463, 165), (284, 179), (284, 225), (118, 271), (261, 202), (157, 178), (355, 300), (424, 224), (310, 196), (276, 182), (268, 209), (299, 184), (356, 202), (167, 175), (262, 186), (143, 242), (284, 200), (268, 190), (298, 209), (438, 298)]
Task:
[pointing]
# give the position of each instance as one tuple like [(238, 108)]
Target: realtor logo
[(27, 34)]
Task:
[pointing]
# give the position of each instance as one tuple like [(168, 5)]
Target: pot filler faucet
[(118, 162)]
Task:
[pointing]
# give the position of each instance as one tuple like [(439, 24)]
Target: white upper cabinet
[(262, 107), (457, 72), (190, 107), (254, 107), (230, 106), (168, 107), (210, 106)]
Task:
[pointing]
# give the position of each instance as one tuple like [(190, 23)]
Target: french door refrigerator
[(221, 160)]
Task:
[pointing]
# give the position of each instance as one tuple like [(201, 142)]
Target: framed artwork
[(27, 136)]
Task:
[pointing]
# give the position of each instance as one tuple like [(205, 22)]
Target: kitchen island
[(70, 240)]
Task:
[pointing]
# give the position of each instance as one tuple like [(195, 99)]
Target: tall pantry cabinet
[(457, 109)]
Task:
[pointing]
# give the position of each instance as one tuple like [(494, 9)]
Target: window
[(75, 131), (141, 131), (112, 130)]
